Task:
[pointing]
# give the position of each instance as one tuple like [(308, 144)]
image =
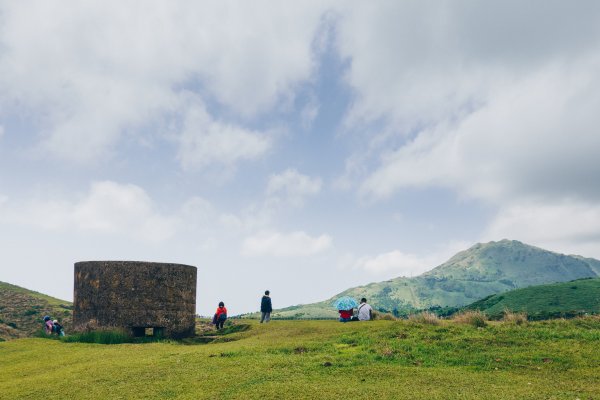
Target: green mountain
[(564, 299), (470, 275), (22, 310)]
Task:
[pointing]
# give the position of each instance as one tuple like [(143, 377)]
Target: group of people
[(52, 326), (364, 312), (265, 310)]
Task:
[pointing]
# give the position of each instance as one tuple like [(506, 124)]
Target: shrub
[(41, 333), (378, 315), (424, 317), (515, 318), (108, 336), (476, 318)]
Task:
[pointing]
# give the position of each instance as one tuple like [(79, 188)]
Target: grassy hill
[(470, 275), (544, 301), (22, 310), (321, 360)]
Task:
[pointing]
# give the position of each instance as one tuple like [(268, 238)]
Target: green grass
[(321, 360), (100, 337), (546, 301)]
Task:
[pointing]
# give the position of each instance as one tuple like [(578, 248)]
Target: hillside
[(553, 300), (470, 275), (22, 310)]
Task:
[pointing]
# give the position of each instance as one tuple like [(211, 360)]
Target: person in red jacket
[(346, 315), (220, 315)]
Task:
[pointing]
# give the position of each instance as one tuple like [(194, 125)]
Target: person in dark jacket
[(265, 308)]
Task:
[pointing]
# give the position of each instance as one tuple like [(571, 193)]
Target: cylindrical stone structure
[(141, 297)]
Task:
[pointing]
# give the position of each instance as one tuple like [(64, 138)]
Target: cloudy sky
[(301, 147)]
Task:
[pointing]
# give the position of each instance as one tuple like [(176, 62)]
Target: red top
[(345, 314), (221, 310)]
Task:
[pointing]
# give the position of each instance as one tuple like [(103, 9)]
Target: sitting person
[(48, 325), (220, 315), (365, 311), (58, 328), (346, 315)]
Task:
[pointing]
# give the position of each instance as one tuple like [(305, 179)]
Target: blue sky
[(301, 147)]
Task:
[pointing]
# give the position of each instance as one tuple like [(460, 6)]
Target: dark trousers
[(265, 316)]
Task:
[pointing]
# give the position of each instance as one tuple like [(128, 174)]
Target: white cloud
[(418, 63), (113, 208), (292, 187), (396, 261), (205, 142), (88, 74), (536, 137), (569, 226), (108, 208), (294, 244), (481, 99), (310, 112)]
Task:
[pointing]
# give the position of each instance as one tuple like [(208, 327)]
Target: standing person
[(265, 308), (220, 315), (365, 311)]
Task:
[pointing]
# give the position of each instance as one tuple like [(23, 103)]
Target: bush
[(424, 317), (108, 336), (477, 318), (515, 318), (384, 316), (41, 333)]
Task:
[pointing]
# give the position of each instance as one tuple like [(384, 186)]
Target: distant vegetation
[(471, 275), (557, 300)]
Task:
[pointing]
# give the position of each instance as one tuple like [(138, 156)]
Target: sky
[(300, 147)]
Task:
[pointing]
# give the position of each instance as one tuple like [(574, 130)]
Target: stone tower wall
[(135, 295)]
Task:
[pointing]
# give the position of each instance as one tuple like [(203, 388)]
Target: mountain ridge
[(470, 275)]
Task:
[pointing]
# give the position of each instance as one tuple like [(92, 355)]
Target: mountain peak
[(514, 261), (481, 270)]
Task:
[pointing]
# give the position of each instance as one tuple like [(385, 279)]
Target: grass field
[(321, 360)]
